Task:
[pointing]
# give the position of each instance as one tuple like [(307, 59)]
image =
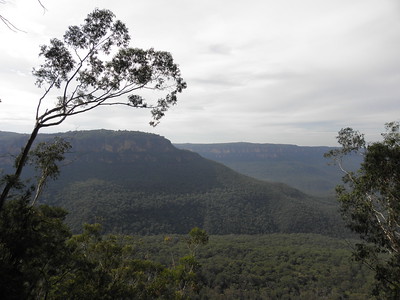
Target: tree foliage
[(93, 66), (370, 203), (39, 259), (44, 158), (197, 237), (33, 253), (270, 266), (109, 267)]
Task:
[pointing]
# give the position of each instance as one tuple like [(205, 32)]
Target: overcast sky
[(264, 71)]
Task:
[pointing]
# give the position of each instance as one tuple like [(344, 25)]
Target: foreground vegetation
[(40, 259), (370, 202)]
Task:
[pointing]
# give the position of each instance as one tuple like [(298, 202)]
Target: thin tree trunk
[(19, 166)]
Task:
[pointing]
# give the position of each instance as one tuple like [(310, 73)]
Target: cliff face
[(123, 156), (118, 141), (129, 145), (251, 151), (99, 145), (304, 168), (120, 146)]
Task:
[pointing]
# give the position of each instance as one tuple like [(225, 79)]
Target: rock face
[(253, 151), (97, 145), (119, 146), (118, 142), (304, 168)]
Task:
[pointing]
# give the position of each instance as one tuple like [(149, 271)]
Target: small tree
[(197, 237), (92, 66), (370, 203), (44, 158)]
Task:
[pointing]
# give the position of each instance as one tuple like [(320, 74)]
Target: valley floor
[(275, 266)]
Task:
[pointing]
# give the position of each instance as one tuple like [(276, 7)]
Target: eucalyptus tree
[(370, 203), (93, 66)]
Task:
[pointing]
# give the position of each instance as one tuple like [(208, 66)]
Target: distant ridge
[(302, 167)]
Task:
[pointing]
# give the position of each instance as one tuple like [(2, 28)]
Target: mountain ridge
[(139, 183), (302, 167)]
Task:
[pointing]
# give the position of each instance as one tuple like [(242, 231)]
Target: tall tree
[(370, 203), (93, 66)]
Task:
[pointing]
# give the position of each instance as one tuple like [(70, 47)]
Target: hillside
[(139, 183), (304, 168)]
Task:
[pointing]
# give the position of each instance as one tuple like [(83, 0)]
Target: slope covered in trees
[(140, 183)]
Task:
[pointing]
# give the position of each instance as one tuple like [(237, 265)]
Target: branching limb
[(97, 79), (10, 25)]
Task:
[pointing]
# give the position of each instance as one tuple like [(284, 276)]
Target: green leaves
[(81, 73), (33, 253), (99, 32), (197, 237), (108, 267), (83, 68), (40, 260), (392, 134), (58, 63), (46, 155), (370, 203), (351, 141)]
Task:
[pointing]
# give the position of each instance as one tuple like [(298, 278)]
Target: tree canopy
[(91, 66), (370, 202)]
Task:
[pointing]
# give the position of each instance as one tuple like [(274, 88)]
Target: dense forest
[(272, 266), (267, 240)]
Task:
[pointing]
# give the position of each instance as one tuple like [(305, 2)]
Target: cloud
[(220, 49), (258, 71)]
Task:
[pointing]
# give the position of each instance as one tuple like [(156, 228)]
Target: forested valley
[(266, 240), (107, 214)]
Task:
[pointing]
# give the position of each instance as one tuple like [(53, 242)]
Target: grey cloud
[(220, 49), (257, 72), (215, 80)]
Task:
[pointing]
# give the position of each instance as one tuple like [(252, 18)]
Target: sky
[(261, 71)]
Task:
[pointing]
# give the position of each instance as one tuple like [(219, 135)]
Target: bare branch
[(44, 8), (10, 25)]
